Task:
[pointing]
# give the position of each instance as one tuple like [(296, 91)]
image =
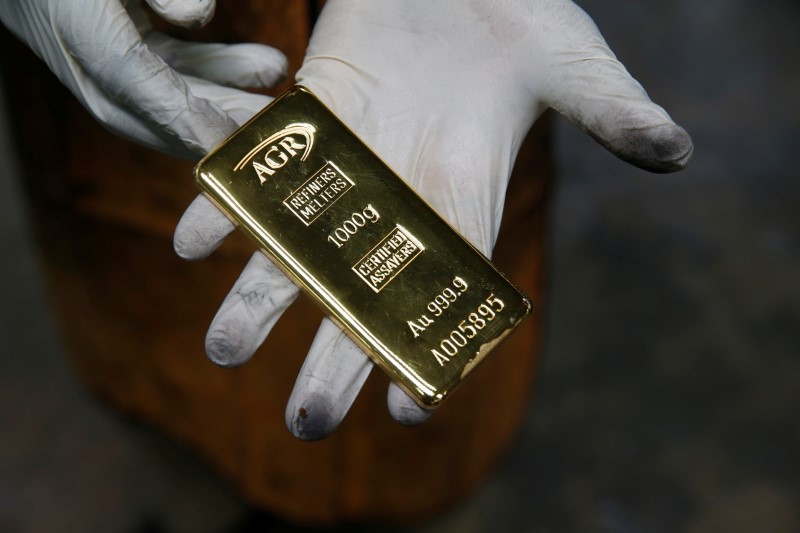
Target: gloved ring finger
[(331, 377)]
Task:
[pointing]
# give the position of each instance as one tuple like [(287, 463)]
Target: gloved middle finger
[(255, 303)]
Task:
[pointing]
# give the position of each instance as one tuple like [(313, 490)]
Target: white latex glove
[(445, 92), (127, 75)]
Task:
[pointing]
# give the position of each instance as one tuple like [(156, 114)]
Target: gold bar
[(405, 286)]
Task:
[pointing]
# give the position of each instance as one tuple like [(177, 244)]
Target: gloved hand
[(127, 75), (444, 92)]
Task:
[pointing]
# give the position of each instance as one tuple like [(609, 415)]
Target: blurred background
[(667, 398)]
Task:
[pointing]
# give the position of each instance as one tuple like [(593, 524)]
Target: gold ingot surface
[(405, 286)]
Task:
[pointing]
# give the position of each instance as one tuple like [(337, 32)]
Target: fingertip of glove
[(222, 352), (186, 248), (405, 410), (311, 419), (272, 61), (201, 230), (190, 14), (259, 66), (661, 148)]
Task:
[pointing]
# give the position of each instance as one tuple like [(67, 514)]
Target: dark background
[(669, 395)]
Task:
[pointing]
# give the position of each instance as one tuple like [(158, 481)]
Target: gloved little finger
[(331, 378), (403, 409), (257, 300), (235, 65), (186, 13), (593, 89)]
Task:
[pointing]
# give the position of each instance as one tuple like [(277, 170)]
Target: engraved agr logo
[(294, 139)]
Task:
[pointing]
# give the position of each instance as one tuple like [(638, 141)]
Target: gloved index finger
[(105, 41), (201, 230), (234, 65)]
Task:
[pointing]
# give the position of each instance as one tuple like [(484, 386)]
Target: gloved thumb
[(137, 79), (186, 13), (593, 89)]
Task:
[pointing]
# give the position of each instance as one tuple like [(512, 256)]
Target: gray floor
[(669, 396)]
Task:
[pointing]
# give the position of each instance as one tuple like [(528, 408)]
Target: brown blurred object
[(133, 316)]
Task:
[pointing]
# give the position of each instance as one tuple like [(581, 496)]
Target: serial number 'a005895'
[(467, 329)]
